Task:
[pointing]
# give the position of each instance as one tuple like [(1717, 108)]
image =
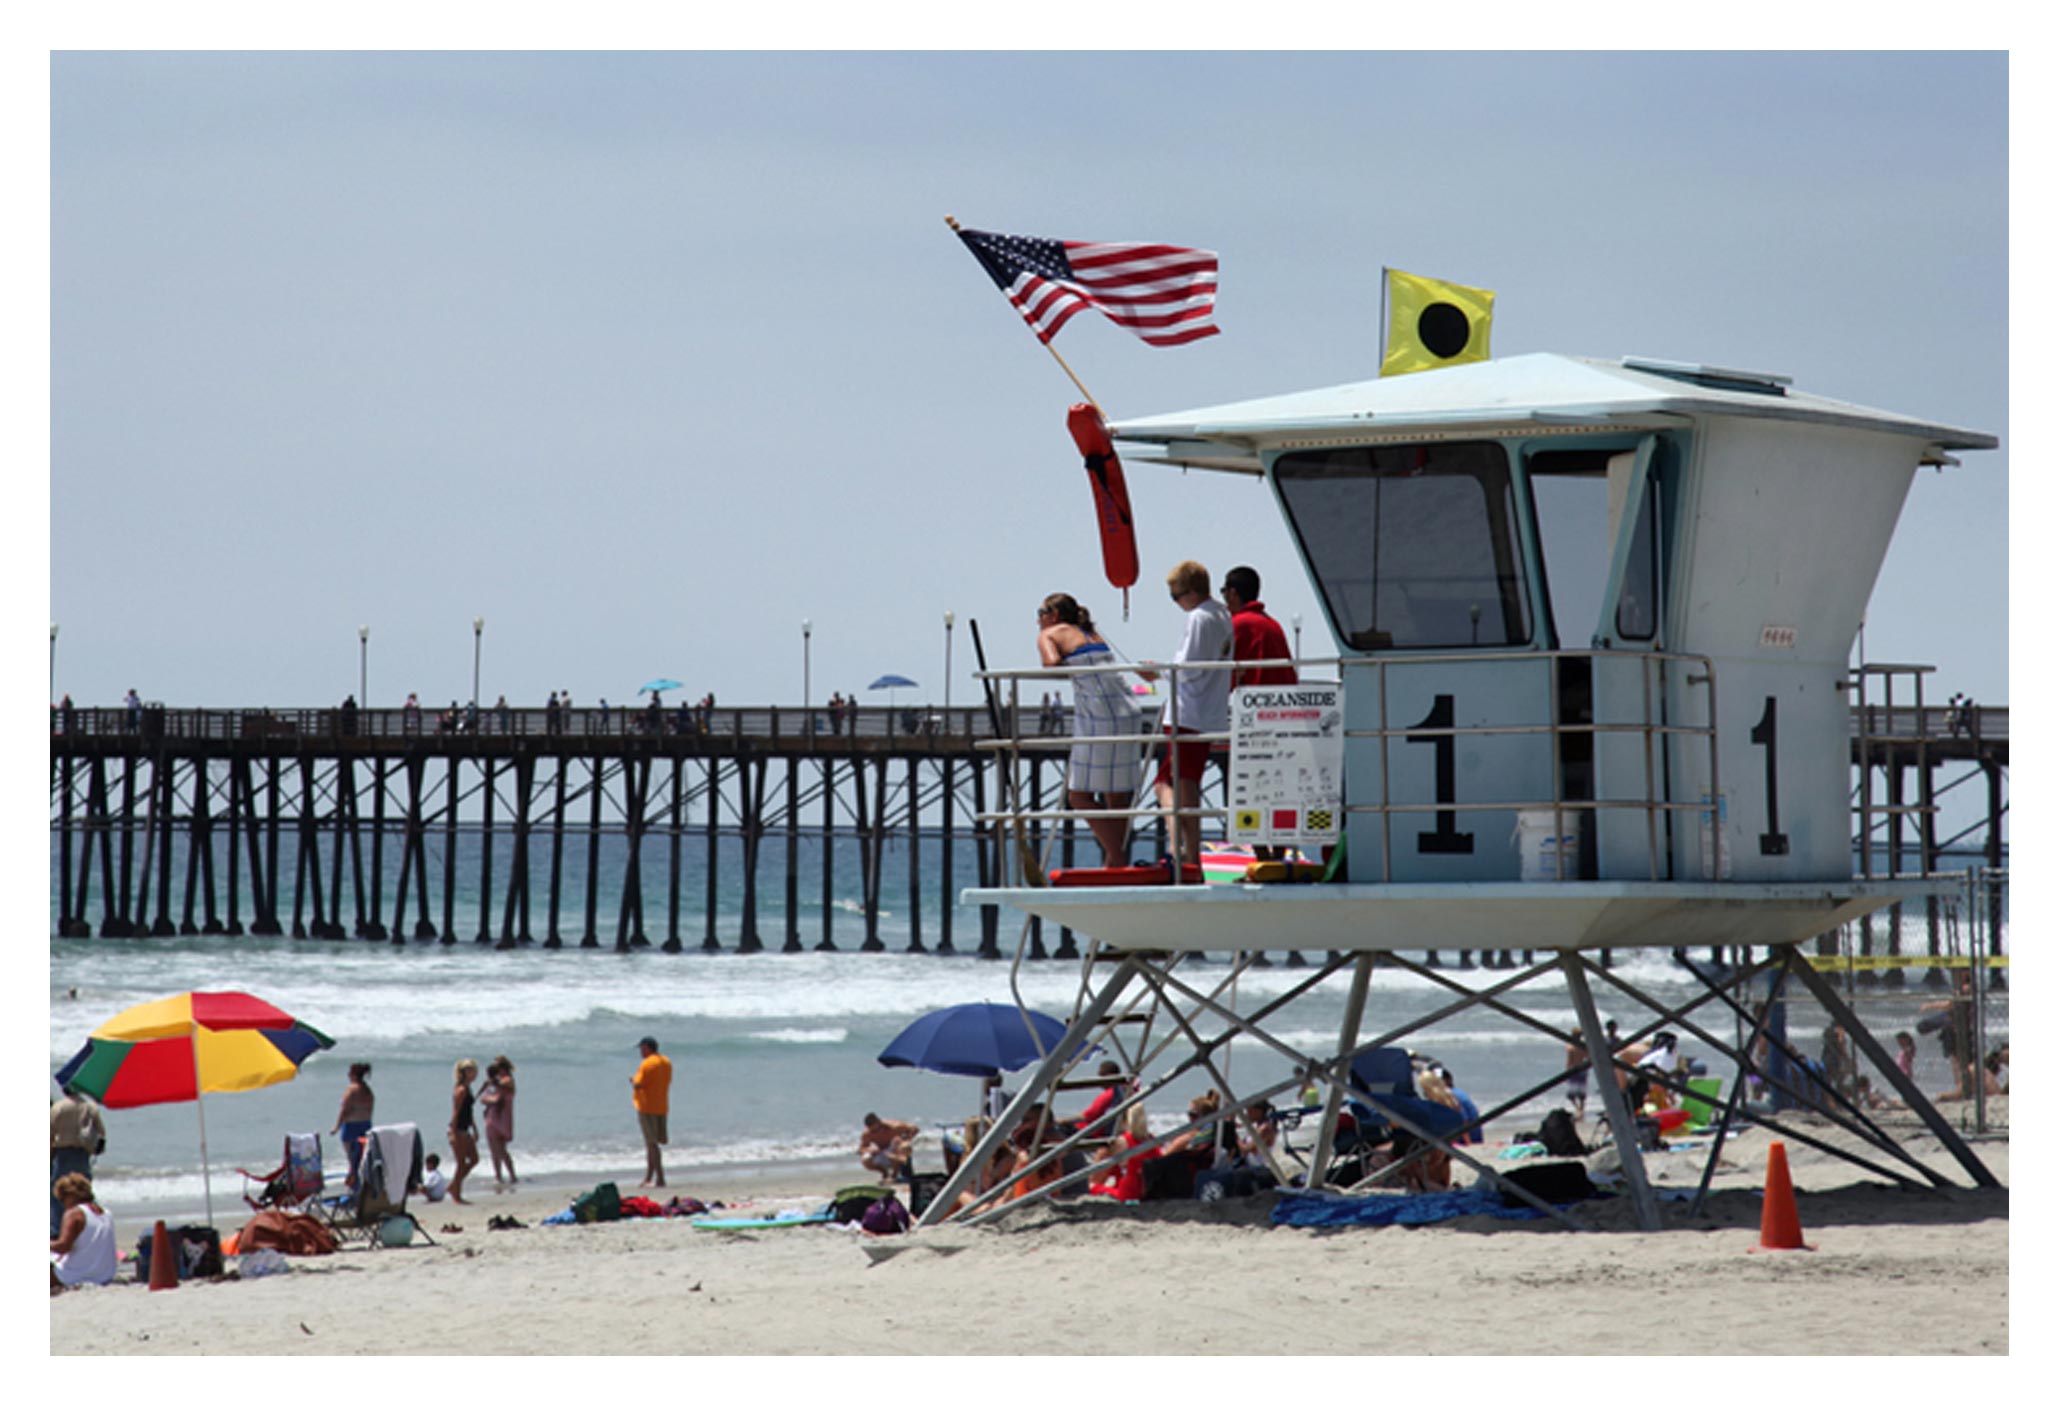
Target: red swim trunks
[(1190, 757)]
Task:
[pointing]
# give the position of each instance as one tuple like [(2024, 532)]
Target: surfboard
[(762, 1223)]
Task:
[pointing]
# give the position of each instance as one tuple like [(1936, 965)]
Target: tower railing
[(1652, 726)]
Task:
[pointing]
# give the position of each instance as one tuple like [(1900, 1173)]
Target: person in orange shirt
[(652, 1083)]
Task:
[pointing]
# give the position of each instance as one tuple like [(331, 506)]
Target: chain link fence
[(1931, 985)]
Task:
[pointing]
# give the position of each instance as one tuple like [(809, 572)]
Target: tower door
[(1631, 612), (1630, 689)]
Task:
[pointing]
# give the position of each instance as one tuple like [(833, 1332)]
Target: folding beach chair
[(389, 1170), (1384, 1079), (295, 1182)]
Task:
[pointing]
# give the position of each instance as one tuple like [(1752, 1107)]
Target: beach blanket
[(1315, 1208), (287, 1233)]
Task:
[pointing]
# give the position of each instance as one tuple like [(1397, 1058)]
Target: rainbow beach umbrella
[(180, 1047)]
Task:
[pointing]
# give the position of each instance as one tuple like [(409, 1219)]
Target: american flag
[(1161, 292)]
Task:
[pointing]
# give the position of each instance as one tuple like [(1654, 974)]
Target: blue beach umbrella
[(979, 1039), (890, 682), (660, 685)]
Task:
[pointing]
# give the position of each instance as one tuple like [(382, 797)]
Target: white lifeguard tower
[(1591, 613)]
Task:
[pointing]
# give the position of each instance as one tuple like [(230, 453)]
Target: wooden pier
[(344, 823)]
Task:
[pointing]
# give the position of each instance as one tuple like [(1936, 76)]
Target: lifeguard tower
[(1592, 621)]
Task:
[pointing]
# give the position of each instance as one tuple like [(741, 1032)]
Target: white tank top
[(91, 1257)]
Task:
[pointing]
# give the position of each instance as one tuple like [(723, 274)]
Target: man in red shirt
[(1257, 634)]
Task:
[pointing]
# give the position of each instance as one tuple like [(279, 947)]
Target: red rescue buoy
[(1111, 498)]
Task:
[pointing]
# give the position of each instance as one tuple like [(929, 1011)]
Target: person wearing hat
[(652, 1083)]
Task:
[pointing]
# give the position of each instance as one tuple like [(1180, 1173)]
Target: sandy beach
[(1893, 1272)]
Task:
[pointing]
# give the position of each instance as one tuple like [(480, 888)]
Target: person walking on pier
[(652, 1083)]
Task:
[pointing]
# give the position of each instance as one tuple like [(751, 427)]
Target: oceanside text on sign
[(1287, 764)]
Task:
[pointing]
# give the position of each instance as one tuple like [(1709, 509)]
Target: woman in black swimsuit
[(464, 1139)]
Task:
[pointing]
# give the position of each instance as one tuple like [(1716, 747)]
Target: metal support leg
[(1602, 1060), (1347, 1041)]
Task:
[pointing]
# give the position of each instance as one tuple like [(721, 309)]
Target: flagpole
[(952, 221), (1383, 322)]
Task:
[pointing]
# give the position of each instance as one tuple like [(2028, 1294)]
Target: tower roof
[(1540, 389)]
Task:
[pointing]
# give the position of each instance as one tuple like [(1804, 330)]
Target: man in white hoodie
[(1200, 702)]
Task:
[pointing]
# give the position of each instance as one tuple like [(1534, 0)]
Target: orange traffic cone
[(1780, 1226), (164, 1270)]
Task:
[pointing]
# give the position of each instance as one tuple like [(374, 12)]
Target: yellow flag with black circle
[(1431, 323)]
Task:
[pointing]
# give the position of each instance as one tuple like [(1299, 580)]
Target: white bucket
[(1548, 850)]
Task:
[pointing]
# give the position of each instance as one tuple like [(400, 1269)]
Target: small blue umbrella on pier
[(979, 1039), (890, 682), (660, 685)]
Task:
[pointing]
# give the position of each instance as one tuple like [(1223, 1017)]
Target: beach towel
[(1316, 1208), (603, 1203), (1102, 712), (393, 1152)]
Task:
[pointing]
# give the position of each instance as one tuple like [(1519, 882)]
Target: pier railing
[(155, 722)]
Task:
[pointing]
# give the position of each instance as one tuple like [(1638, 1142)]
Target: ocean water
[(775, 1055)]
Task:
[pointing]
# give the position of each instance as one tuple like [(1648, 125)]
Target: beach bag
[(200, 1251), (1559, 1136), (1169, 1179), (196, 1248), (853, 1202), (886, 1216), (603, 1203), (922, 1189)]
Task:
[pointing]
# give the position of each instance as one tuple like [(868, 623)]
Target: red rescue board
[(1130, 875), (1111, 497)]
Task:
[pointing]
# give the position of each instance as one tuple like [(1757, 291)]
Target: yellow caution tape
[(1881, 963)]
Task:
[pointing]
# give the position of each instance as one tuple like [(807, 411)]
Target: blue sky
[(647, 357)]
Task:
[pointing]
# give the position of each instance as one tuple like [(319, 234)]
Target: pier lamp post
[(807, 631), (1296, 618), (478, 632), (364, 645), (950, 619), (53, 656)]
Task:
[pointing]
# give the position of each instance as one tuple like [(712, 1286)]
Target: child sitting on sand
[(433, 1183)]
